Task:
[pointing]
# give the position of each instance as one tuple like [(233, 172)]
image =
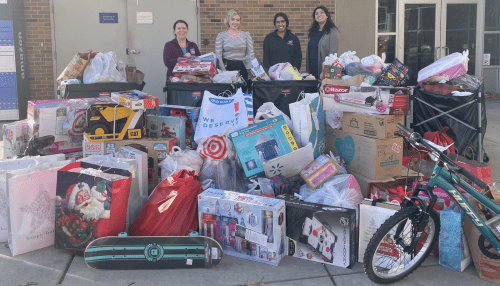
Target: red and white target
[(78, 123), (215, 147)]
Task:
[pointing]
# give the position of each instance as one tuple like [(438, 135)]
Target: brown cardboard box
[(374, 126), (372, 158), (157, 150)]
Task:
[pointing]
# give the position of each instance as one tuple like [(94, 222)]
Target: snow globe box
[(246, 226), (262, 142), (189, 112), (320, 233)]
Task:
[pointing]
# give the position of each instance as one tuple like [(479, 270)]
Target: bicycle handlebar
[(415, 137)]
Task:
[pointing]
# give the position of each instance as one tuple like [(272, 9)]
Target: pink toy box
[(246, 226)]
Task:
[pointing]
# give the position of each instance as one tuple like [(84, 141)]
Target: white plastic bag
[(217, 113), (228, 77), (374, 63), (284, 71), (451, 66), (348, 57), (334, 118), (269, 110), (341, 191), (179, 159), (102, 68)]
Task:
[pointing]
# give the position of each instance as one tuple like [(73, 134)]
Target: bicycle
[(392, 253)]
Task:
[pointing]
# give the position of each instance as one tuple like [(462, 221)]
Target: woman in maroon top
[(178, 47)]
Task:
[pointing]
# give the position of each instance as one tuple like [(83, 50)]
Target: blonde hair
[(230, 14)]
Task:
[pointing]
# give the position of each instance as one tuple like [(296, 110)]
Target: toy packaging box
[(320, 233), (167, 127), (15, 138), (189, 112), (135, 99), (247, 226), (262, 142), (157, 150), (367, 99), (195, 68)]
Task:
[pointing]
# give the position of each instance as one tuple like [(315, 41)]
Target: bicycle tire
[(404, 215)]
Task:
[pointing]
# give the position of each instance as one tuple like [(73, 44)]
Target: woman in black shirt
[(282, 45)]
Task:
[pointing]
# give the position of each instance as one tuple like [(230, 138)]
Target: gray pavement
[(46, 266)]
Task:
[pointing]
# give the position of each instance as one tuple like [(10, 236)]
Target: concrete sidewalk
[(46, 266)]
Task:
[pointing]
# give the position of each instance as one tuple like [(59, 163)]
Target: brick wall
[(257, 18), (39, 49)]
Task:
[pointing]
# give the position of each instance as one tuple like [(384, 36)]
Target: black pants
[(239, 66)]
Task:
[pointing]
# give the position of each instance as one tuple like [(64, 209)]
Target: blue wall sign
[(108, 18)]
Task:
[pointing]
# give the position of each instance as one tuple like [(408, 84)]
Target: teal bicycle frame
[(441, 178)]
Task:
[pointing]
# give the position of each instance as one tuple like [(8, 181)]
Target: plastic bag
[(341, 191), (452, 66), (172, 208), (179, 159), (334, 118), (440, 138), (228, 77), (261, 187), (348, 57), (269, 110), (103, 69), (284, 71), (220, 163), (374, 63), (469, 82), (356, 68)]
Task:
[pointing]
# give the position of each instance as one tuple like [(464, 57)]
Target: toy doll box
[(247, 226), (262, 142), (320, 233), (366, 99)]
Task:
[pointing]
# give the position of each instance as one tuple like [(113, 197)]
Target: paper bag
[(134, 75), (76, 67), (31, 195)]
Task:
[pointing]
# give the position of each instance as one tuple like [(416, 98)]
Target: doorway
[(432, 29)]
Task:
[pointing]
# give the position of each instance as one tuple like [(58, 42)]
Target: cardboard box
[(320, 233), (196, 68), (373, 158), (352, 81), (135, 99), (167, 127), (157, 150), (262, 142), (369, 99), (247, 226), (319, 171), (191, 113), (15, 136), (374, 126), (365, 184)]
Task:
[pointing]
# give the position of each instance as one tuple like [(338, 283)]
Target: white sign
[(145, 18), (486, 59)]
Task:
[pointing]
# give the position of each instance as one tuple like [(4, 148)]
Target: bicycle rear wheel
[(385, 260)]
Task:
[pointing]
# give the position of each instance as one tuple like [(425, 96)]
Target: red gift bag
[(91, 202), (172, 208), (440, 138)]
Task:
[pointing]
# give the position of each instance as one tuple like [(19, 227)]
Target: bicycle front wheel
[(385, 260)]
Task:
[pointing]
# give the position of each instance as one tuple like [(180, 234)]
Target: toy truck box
[(167, 127), (247, 226), (262, 142), (320, 233), (367, 99), (189, 112)]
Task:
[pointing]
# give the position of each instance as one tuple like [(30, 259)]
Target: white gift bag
[(16, 164), (308, 122), (31, 194), (138, 186), (371, 217), (217, 113)]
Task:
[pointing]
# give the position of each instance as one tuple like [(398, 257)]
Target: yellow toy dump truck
[(108, 121)]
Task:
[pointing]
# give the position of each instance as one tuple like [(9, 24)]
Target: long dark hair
[(315, 25)]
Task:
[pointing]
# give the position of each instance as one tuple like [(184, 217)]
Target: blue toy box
[(247, 226), (262, 142), (189, 112)]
